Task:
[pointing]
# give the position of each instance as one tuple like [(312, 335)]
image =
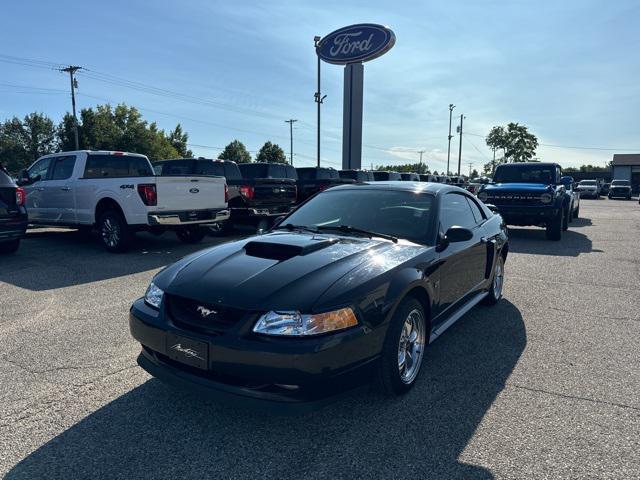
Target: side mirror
[(23, 178), (566, 181), (458, 234)]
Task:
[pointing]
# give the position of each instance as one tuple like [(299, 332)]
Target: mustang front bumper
[(251, 367)]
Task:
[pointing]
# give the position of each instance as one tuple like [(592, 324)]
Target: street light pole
[(451, 107), (291, 121), (318, 96), (460, 147)]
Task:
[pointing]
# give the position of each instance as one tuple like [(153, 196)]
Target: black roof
[(536, 164), (427, 187)]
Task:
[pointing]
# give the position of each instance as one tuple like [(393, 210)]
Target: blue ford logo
[(194, 190), (356, 43)]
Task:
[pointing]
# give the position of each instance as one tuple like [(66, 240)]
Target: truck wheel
[(554, 227), (192, 234), (115, 233), (565, 220), (10, 247), (403, 350)]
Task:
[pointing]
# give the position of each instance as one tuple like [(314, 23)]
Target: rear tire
[(497, 282), (114, 232), (554, 227), (403, 349), (10, 246), (192, 234)]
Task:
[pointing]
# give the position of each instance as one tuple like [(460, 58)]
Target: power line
[(576, 147)]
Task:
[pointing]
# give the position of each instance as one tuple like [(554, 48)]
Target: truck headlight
[(483, 196), (296, 324), (153, 296), (546, 198)]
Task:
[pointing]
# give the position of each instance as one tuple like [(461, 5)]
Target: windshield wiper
[(291, 227), (350, 229)]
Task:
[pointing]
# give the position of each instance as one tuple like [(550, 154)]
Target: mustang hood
[(517, 187), (275, 271)]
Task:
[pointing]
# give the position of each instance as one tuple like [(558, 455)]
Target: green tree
[(407, 167), (121, 128), (179, 140), (236, 152), (271, 153), (520, 144), (22, 142), (474, 174)]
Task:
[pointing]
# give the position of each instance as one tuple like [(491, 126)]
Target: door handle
[(65, 189)]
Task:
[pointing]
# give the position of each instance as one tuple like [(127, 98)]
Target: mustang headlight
[(483, 196), (546, 198), (296, 324), (153, 296)]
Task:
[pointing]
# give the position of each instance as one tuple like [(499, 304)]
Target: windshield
[(588, 182), (525, 174), (402, 214), (621, 183)]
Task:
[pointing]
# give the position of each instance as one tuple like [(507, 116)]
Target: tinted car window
[(618, 183), (253, 170), (178, 167), (5, 179), (63, 167), (277, 171), (402, 214), (477, 213), (99, 166), (40, 169), (525, 174), (207, 167), (291, 172), (382, 176), (231, 171), (455, 210)]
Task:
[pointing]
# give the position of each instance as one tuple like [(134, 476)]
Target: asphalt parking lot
[(544, 385)]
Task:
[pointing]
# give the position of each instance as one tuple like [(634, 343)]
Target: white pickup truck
[(118, 194)]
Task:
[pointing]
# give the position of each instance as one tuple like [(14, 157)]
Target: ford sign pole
[(350, 46)]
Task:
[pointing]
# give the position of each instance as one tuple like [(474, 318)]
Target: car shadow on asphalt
[(154, 431), (534, 241), (58, 258)]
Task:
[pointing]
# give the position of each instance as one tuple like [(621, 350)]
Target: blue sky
[(568, 70)]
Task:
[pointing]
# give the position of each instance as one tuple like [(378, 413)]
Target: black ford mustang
[(352, 285)]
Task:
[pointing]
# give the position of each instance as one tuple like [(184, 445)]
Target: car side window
[(63, 167), (455, 210), (40, 169), (477, 213)]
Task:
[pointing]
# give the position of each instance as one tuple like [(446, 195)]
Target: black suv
[(357, 175), (620, 189), (381, 176), (312, 180), (13, 215), (531, 193)]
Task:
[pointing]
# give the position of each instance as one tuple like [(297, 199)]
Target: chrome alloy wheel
[(411, 346), (498, 278), (110, 232)]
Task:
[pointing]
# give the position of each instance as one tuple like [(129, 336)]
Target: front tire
[(403, 350), (193, 234), (115, 234), (497, 282), (10, 246), (554, 227)]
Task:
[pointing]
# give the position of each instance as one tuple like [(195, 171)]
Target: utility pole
[(451, 107), (470, 166), (318, 96), (460, 147), (291, 121), (493, 163), (71, 69), (420, 167)]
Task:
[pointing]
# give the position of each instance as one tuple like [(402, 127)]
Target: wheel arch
[(105, 204)]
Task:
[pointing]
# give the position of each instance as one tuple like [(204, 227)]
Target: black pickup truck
[(382, 176), (312, 180), (357, 175), (257, 192), (531, 193), (13, 216)]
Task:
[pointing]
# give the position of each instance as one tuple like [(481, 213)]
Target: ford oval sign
[(356, 43)]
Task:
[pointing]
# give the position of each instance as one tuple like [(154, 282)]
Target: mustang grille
[(201, 317)]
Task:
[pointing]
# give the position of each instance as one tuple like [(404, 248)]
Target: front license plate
[(185, 350)]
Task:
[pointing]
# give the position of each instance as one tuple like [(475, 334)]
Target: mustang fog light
[(296, 324), (546, 198), (153, 296)]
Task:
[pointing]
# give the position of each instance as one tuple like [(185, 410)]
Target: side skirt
[(457, 315)]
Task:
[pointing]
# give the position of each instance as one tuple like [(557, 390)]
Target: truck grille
[(201, 317), (514, 199)]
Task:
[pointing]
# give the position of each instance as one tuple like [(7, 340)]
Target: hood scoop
[(275, 250)]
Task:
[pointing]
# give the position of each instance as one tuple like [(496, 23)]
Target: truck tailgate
[(273, 191), (190, 193)]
